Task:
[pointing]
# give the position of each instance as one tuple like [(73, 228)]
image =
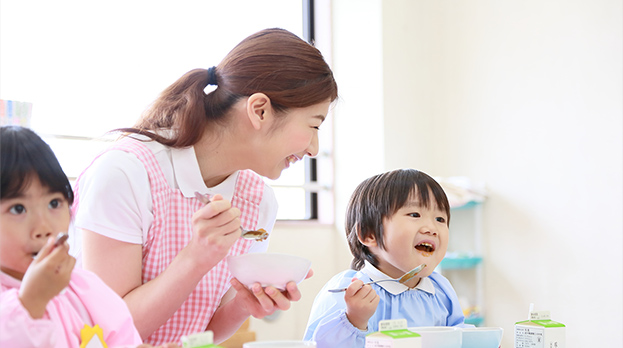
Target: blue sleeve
[(455, 315), (328, 325)]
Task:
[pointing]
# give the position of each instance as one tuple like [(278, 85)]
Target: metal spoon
[(259, 235), (405, 278), (60, 239)]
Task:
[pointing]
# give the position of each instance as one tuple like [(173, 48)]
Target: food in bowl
[(268, 269), (439, 336), (482, 337)]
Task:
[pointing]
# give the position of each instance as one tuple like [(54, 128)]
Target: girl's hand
[(260, 302), (361, 302), (216, 227), (48, 274)]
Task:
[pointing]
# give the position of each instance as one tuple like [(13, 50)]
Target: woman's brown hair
[(290, 71), (380, 197)]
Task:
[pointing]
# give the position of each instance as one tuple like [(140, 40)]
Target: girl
[(45, 302), (395, 222), (144, 232)]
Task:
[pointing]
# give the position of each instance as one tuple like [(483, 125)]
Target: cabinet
[(463, 264)]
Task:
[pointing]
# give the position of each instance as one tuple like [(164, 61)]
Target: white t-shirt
[(115, 195)]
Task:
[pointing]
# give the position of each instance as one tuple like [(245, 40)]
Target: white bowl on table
[(268, 269), (439, 336), (482, 337), (280, 344)]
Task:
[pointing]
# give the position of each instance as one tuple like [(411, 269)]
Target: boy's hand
[(48, 274), (361, 302)]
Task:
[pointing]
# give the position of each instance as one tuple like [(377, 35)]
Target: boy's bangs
[(438, 199), (413, 184)]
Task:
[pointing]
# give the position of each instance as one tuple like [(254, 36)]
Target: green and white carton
[(393, 334), (199, 340), (539, 332)]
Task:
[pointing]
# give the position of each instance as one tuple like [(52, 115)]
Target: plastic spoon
[(259, 235), (405, 278)]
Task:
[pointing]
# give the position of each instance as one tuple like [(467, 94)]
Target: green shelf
[(460, 262), (465, 206), (476, 320)]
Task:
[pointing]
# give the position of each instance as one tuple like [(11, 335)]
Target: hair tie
[(212, 76)]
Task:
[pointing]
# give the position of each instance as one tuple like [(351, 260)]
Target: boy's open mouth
[(425, 247)]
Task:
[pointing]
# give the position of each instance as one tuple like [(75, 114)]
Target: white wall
[(524, 95), (527, 96)]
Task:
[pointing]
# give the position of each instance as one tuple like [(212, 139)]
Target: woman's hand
[(48, 274), (260, 302), (361, 302), (216, 227)]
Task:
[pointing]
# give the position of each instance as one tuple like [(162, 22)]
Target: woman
[(144, 232)]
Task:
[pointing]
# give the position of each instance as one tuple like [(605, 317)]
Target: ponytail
[(291, 72)]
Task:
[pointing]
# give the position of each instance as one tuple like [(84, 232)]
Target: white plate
[(268, 269)]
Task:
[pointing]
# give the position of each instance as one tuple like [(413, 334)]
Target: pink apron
[(171, 231)]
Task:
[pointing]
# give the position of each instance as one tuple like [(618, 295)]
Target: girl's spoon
[(259, 235), (60, 239), (405, 278)]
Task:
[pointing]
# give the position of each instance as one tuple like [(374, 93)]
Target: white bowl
[(279, 344), (482, 337), (268, 269), (439, 336)]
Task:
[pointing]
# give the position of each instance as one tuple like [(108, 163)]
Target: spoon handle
[(405, 278), (258, 235), (368, 283)]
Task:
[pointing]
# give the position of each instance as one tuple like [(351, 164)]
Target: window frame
[(318, 204)]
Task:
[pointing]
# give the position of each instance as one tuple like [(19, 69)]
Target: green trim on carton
[(402, 333), (544, 323)]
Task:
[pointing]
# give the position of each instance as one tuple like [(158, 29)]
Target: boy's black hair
[(380, 197), (24, 154)]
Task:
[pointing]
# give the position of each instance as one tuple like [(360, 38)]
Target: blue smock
[(433, 302)]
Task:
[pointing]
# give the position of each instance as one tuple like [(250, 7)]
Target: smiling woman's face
[(414, 235), (292, 139), (26, 223)]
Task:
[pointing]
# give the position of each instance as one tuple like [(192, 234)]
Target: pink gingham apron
[(171, 231)]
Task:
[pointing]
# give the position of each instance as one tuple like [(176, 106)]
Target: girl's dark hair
[(290, 71), (380, 197), (24, 156)]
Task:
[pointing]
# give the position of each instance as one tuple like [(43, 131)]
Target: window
[(89, 67)]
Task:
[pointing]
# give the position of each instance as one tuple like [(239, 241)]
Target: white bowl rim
[(434, 328), (482, 328), (266, 253), (236, 264)]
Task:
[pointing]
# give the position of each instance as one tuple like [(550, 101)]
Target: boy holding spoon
[(395, 221)]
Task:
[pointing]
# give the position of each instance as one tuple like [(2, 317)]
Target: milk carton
[(539, 332), (199, 340), (393, 334)]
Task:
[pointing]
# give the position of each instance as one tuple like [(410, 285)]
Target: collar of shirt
[(9, 282), (395, 288), (189, 179)]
